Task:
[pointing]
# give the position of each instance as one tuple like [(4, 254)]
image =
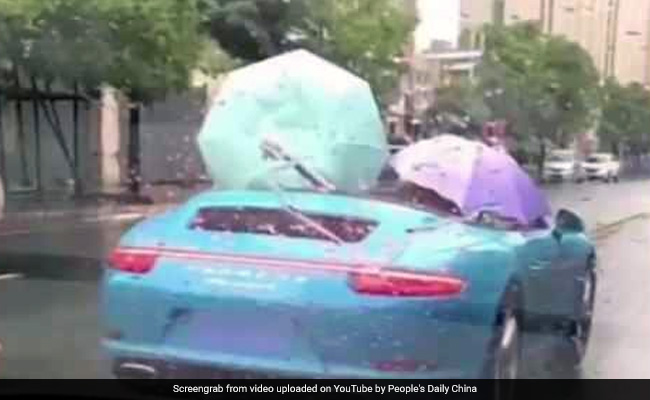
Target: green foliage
[(463, 101), (251, 29), (548, 85), (364, 36), (142, 47), (625, 118)]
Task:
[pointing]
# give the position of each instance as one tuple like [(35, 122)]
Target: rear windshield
[(278, 222), (560, 158), (599, 159)]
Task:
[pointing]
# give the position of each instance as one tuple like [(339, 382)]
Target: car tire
[(504, 353), (578, 331), (505, 350)]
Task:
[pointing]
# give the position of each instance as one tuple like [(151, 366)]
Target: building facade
[(427, 71), (91, 149), (474, 15), (616, 33), (631, 54)]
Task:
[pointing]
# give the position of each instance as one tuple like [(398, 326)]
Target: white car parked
[(562, 165), (602, 166)]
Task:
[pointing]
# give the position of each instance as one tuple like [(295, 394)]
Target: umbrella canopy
[(474, 176), (320, 114)]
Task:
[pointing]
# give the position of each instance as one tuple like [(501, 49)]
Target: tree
[(547, 85), (365, 36), (462, 103), (625, 119), (251, 29), (144, 48)]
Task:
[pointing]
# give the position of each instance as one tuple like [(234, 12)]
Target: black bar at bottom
[(332, 389)]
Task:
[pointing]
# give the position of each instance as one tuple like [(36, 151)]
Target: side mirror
[(567, 222)]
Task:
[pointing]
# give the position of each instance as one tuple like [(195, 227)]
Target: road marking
[(6, 277), (116, 217), (16, 232)]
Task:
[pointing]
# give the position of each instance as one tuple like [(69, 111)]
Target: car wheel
[(578, 331), (616, 179), (581, 331), (508, 354), (504, 357)]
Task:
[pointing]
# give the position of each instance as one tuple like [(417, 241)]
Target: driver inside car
[(428, 198)]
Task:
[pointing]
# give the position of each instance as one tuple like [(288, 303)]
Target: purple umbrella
[(474, 176)]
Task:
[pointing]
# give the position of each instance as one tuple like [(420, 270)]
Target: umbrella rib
[(474, 168)]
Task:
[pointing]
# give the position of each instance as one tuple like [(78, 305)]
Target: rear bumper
[(321, 334), (558, 175), (175, 364), (599, 174)]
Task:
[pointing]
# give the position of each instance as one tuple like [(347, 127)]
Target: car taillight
[(397, 284), (132, 261)]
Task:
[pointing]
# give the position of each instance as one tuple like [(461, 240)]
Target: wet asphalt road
[(49, 318), (49, 321)]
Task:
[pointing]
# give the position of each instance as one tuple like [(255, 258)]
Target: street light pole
[(646, 50), (409, 103), (409, 91)]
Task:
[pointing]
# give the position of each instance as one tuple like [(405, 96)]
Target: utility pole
[(612, 38), (409, 92), (409, 100), (408, 96), (646, 50), (134, 153)]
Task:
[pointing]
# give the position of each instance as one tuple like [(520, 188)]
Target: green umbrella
[(322, 115)]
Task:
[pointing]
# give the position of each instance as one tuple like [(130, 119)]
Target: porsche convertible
[(327, 284), (303, 265)]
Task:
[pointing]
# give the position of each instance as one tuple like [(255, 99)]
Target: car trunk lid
[(253, 285)]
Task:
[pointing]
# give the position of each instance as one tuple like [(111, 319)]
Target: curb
[(24, 222), (101, 212), (25, 228), (605, 231)]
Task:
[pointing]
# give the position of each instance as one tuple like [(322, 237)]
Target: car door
[(548, 278), (572, 263)]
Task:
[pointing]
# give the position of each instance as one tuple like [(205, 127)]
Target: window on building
[(465, 41)]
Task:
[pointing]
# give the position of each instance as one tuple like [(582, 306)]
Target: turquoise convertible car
[(302, 266), (307, 283)]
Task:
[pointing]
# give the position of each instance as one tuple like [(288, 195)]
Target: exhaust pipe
[(134, 370)]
